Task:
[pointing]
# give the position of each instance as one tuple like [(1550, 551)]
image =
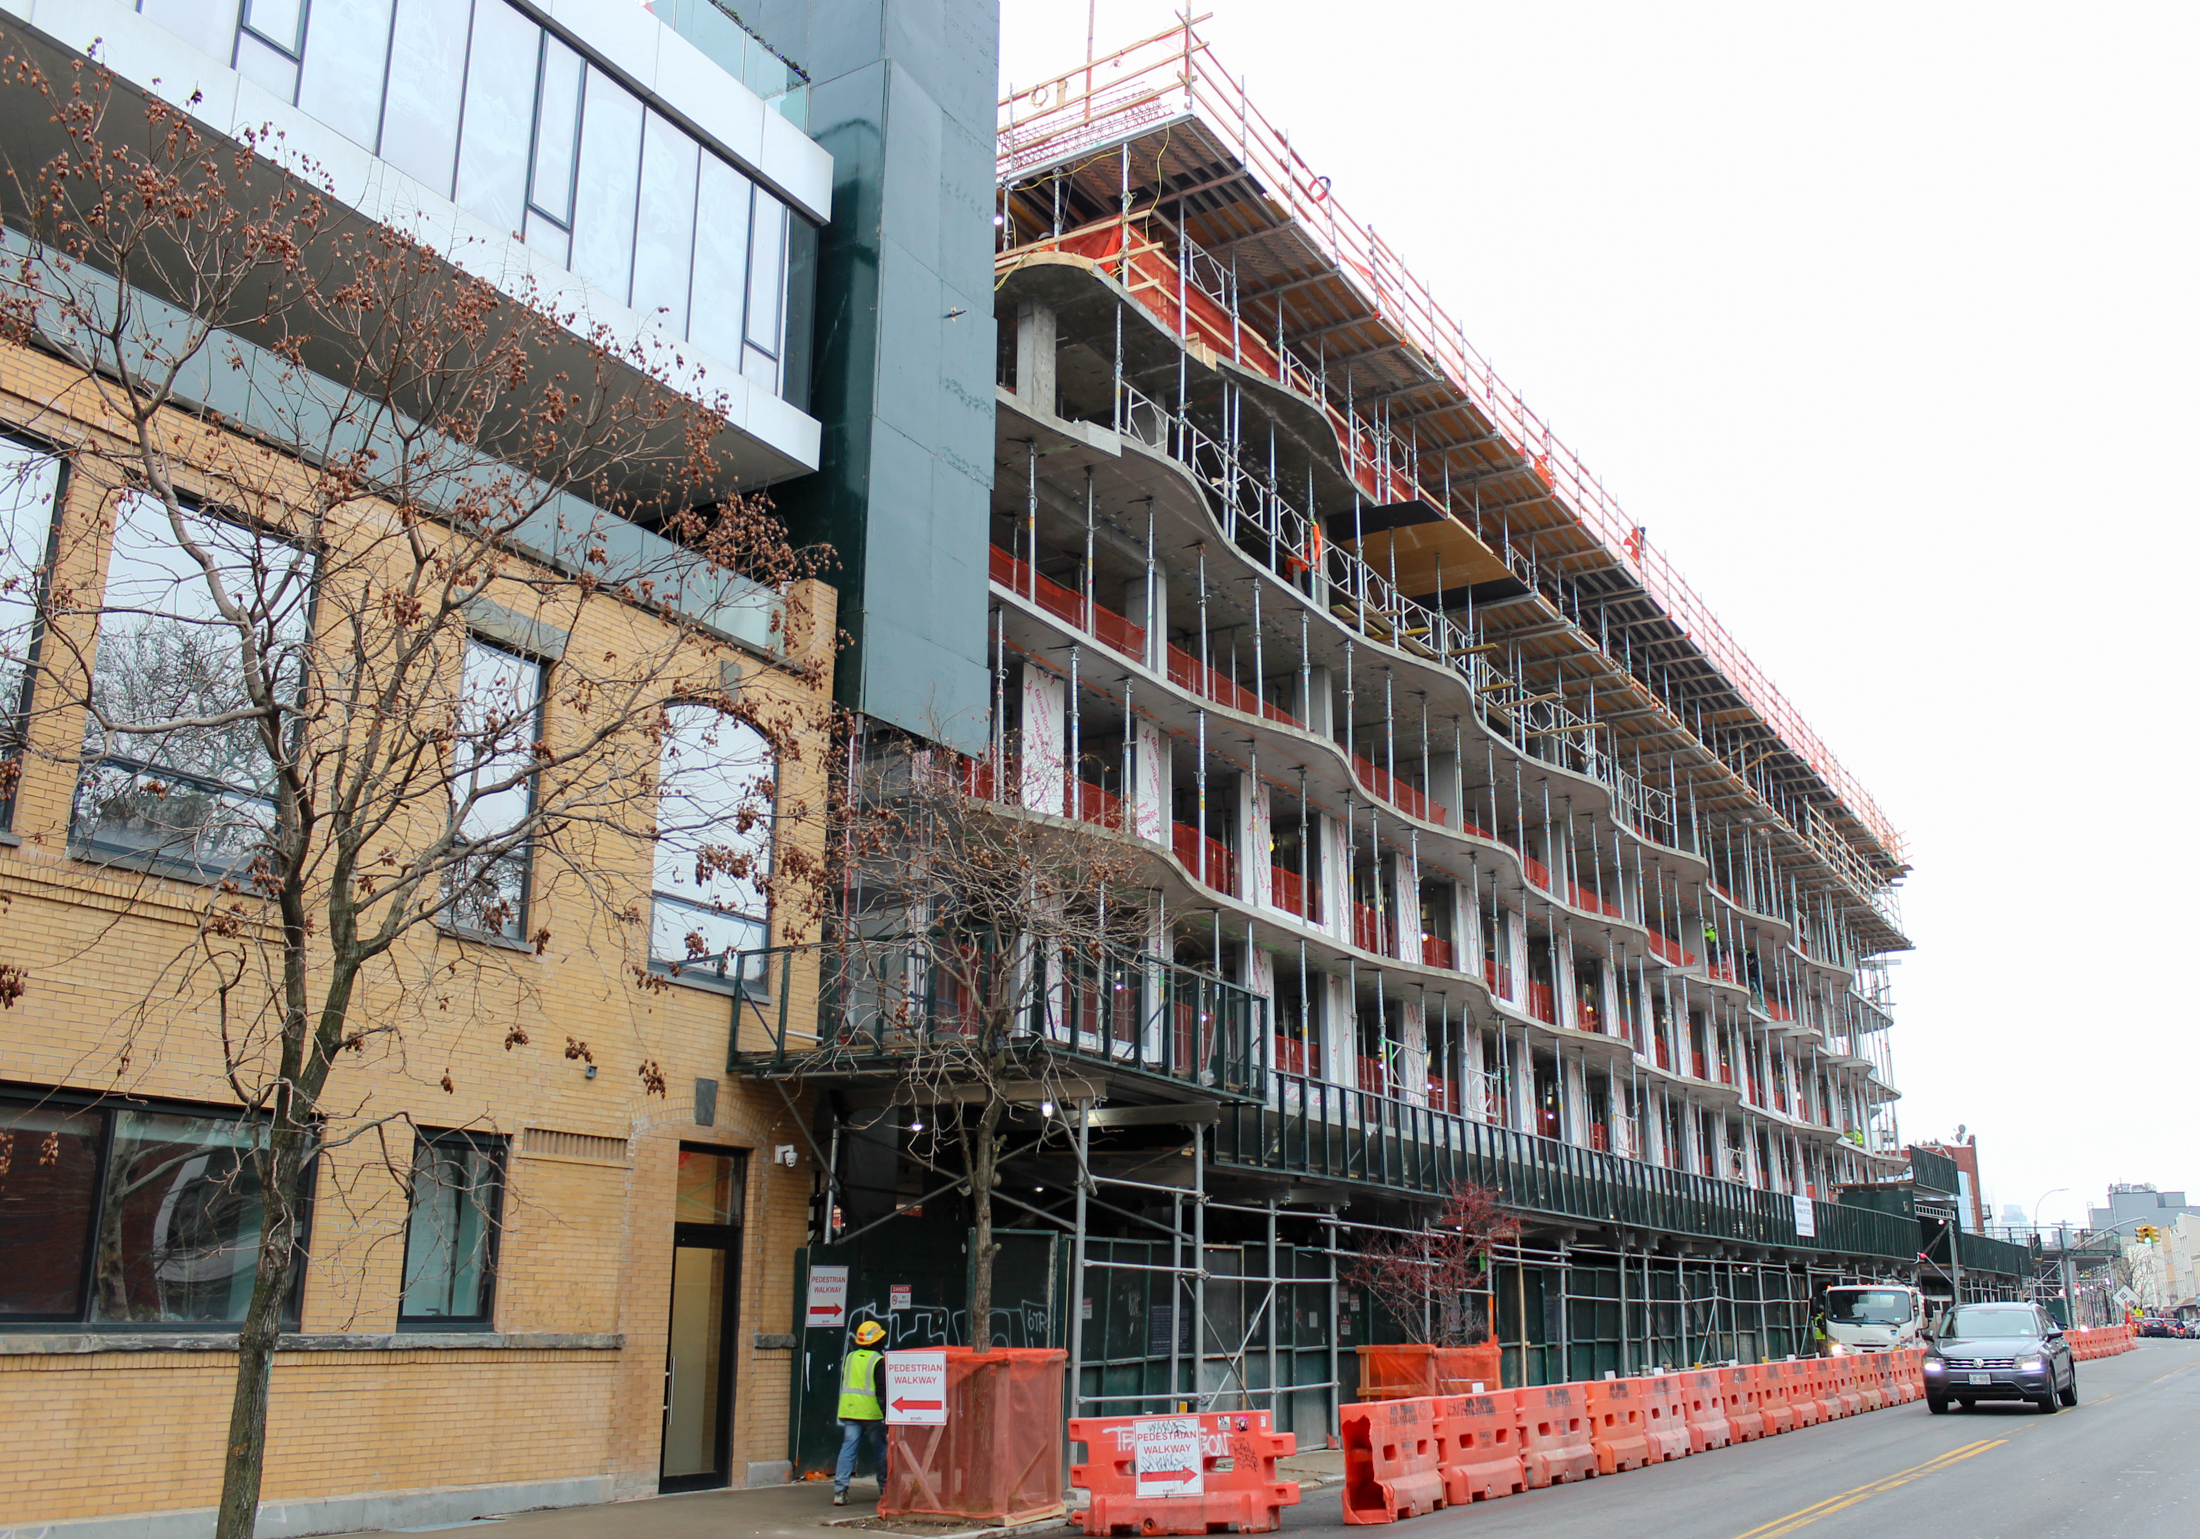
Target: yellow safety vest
[(859, 1387)]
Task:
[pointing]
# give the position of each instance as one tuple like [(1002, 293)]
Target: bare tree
[(973, 940), (1428, 1274), (395, 657)]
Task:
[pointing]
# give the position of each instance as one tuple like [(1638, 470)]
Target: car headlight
[(1837, 1349), (2031, 1364), (1936, 1365)]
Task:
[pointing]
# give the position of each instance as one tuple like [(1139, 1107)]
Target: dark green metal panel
[(902, 96)]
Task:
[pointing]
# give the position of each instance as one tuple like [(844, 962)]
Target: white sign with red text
[(1165, 1455), (828, 1296), (916, 1388)]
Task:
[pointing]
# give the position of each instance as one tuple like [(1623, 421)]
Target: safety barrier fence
[(1407, 1457), (2101, 1341)]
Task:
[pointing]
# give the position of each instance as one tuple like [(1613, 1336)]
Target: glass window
[(270, 39), (28, 479), (179, 1232), (500, 115), (427, 77), (721, 259), (126, 1215), (196, 797), (715, 797), (500, 719), (708, 1190), (346, 62), (557, 151), (51, 1159), (451, 1230), (605, 191), (767, 286), (664, 239)]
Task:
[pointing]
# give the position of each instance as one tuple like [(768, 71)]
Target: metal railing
[(1333, 1132), (898, 1002)]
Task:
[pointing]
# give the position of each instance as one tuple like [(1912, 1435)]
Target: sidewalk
[(801, 1511)]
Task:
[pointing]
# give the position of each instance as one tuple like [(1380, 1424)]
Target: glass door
[(699, 1358)]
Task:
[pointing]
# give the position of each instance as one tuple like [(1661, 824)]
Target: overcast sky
[(1882, 319)]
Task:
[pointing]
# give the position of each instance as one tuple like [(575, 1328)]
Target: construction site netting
[(1409, 1372), (998, 1457)]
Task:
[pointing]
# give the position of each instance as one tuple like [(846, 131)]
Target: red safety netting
[(998, 1458)]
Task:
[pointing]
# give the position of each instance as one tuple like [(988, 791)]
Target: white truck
[(1874, 1317)]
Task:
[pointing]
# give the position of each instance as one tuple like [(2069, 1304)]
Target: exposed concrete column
[(1312, 701), (1466, 931), (1252, 841), (1413, 1052), (1336, 874), (1444, 787), (1147, 602), (1564, 1003), (1515, 950), (1036, 349), (1044, 741), (1340, 1033), (1150, 791), (1405, 909)]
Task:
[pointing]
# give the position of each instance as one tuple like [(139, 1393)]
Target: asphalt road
[(2120, 1465)]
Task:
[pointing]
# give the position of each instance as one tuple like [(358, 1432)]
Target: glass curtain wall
[(479, 103)]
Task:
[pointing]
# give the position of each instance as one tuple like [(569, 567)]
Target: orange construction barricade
[(1744, 1389), (1779, 1402), (1848, 1384), (1824, 1377), (1390, 1469), (1182, 1474), (1618, 1430), (1554, 1434), (1909, 1374), (1872, 1369), (1665, 1417), (998, 1456), (1397, 1372), (1703, 1402), (1478, 1449)]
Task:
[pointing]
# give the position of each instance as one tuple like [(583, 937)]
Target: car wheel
[(1937, 1404), (2048, 1402), (2070, 1391)]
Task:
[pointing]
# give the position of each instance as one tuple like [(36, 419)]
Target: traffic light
[(2149, 1234)]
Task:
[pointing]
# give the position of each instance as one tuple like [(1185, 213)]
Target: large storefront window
[(478, 102), (127, 1215)]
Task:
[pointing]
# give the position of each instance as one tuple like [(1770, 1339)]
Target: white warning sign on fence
[(828, 1296), (916, 1388), (1165, 1456), (1806, 1217)]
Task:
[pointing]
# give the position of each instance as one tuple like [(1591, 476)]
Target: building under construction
[(1477, 849)]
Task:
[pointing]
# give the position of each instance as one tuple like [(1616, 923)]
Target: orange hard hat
[(869, 1333)]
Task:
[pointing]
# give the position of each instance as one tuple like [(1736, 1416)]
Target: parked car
[(1999, 1352)]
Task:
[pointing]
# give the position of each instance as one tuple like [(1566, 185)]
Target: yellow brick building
[(635, 1241)]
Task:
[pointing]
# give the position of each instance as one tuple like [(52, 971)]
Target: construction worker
[(861, 1412)]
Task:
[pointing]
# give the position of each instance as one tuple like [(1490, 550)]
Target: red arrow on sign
[(824, 1309), (916, 1405)]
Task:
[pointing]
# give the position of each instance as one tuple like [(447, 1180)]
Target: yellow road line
[(1833, 1504)]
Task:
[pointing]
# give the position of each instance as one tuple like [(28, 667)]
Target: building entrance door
[(706, 1301)]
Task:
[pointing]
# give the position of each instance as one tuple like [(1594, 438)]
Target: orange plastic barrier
[(1479, 1453), (1703, 1402), (1744, 1389), (1390, 1469), (1909, 1374), (1617, 1429), (1554, 1434), (1872, 1369), (1134, 1492), (1848, 1382), (1783, 1409), (1408, 1372), (1665, 1417), (998, 1456), (1825, 1383)]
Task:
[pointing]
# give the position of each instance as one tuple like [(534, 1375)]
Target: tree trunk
[(245, 1454), (983, 1152)]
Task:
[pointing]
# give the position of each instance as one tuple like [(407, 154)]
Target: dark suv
[(1999, 1352)]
